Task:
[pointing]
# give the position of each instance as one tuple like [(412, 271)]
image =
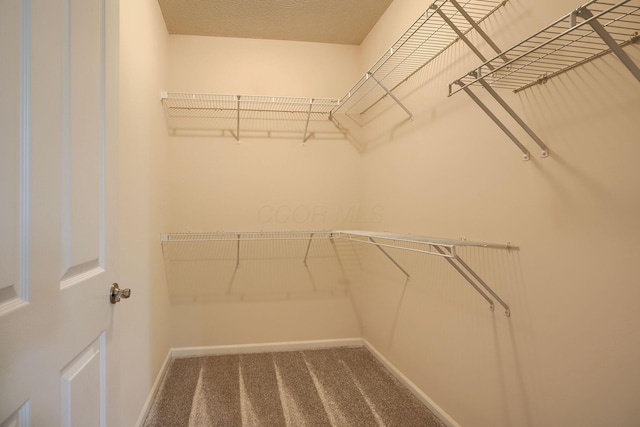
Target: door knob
[(116, 293)]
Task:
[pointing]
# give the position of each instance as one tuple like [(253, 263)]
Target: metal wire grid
[(425, 39), (400, 241), (391, 239), (287, 250), (212, 104), (248, 236), (243, 112), (558, 48)]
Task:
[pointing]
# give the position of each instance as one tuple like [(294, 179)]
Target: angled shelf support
[(589, 18), (444, 248), (561, 46), (238, 253), (525, 152), (388, 92), (468, 279), (237, 135), (389, 256), (306, 254)]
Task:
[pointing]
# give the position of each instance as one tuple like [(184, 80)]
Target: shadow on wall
[(257, 267), (434, 325)]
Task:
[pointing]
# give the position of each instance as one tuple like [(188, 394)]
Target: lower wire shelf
[(445, 248)]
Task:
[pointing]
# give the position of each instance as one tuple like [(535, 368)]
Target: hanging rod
[(444, 248), (199, 110), (422, 42)]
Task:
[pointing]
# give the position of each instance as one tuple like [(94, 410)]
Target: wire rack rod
[(423, 41), (571, 41)]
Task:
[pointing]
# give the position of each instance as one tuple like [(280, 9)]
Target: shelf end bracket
[(606, 37), (497, 121), (306, 126), (237, 135), (308, 247), (448, 258), (389, 256), (395, 98), (516, 117)]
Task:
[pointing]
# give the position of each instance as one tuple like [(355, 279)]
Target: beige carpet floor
[(339, 387)]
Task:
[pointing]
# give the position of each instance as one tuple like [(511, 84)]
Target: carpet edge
[(413, 388)]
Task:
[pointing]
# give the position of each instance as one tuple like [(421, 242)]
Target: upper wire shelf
[(426, 38), (189, 111), (563, 45)]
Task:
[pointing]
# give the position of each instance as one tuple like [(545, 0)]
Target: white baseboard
[(419, 394), (154, 390), (293, 346), (265, 347)]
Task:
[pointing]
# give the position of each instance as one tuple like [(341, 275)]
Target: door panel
[(18, 418), (14, 20), (83, 142), (58, 247), (82, 401)]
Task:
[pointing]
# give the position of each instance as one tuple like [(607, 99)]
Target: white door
[(58, 102)]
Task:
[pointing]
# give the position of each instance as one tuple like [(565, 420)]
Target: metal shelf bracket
[(306, 125), (395, 98), (525, 153), (554, 50), (389, 256), (586, 14)]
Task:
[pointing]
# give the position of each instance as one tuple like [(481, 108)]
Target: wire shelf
[(326, 234), (246, 235), (233, 113), (444, 248), (430, 241), (425, 39), (560, 47)]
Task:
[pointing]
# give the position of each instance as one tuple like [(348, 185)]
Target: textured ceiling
[(323, 21)]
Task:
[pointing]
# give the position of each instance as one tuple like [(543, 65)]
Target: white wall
[(568, 354), (142, 203), (263, 183)]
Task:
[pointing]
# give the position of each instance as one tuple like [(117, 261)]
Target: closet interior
[(282, 232)]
